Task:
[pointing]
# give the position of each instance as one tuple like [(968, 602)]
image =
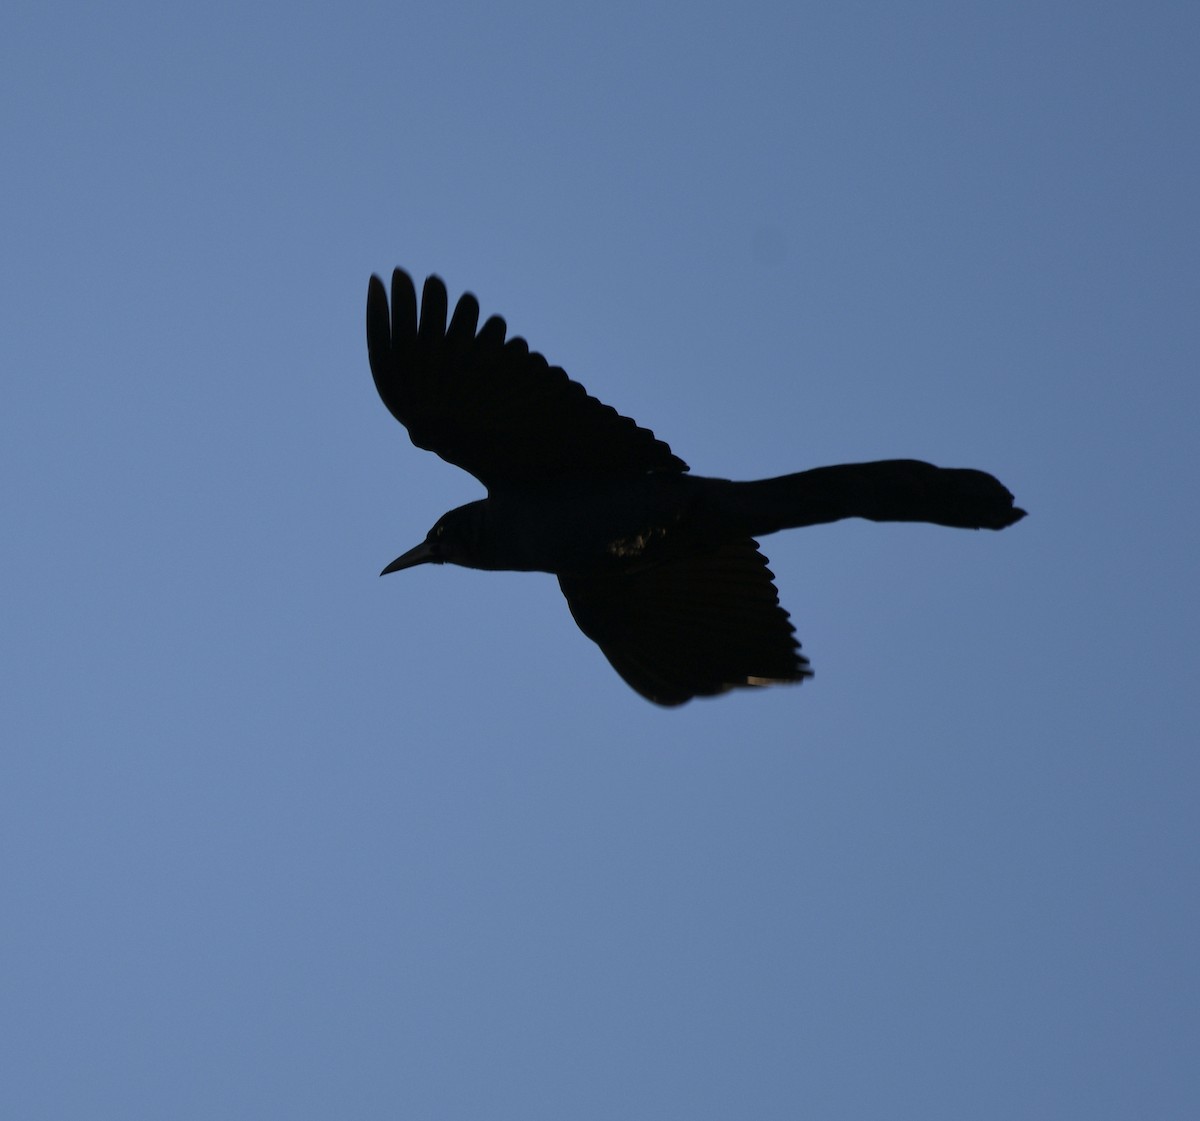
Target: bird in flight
[(660, 568)]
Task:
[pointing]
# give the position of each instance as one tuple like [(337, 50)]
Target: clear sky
[(280, 839)]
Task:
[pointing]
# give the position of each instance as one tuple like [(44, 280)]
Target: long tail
[(889, 490)]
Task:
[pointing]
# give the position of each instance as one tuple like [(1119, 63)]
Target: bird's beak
[(425, 553)]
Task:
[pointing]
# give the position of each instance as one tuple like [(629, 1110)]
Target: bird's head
[(455, 539)]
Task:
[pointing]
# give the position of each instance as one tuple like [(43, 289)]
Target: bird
[(660, 568)]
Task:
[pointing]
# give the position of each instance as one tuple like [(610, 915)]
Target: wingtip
[(379, 327)]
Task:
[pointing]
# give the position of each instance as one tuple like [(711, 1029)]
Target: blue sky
[(282, 839)]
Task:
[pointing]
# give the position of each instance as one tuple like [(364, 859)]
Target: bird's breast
[(586, 527)]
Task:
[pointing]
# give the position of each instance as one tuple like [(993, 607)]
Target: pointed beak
[(425, 553)]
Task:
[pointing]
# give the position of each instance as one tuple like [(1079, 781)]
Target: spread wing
[(494, 408), (692, 626)]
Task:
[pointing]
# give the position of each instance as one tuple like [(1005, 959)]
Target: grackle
[(660, 568)]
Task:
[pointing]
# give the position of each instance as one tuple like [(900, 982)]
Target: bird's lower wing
[(693, 626)]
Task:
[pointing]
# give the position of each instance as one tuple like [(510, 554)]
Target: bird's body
[(661, 568), (581, 527)]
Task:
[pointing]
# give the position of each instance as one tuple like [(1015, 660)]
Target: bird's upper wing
[(493, 407), (691, 626)]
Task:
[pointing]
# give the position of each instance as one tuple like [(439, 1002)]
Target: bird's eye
[(439, 531)]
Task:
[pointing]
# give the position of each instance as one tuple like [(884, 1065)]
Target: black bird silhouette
[(660, 568)]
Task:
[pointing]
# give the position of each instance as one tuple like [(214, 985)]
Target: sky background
[(280, 839)]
